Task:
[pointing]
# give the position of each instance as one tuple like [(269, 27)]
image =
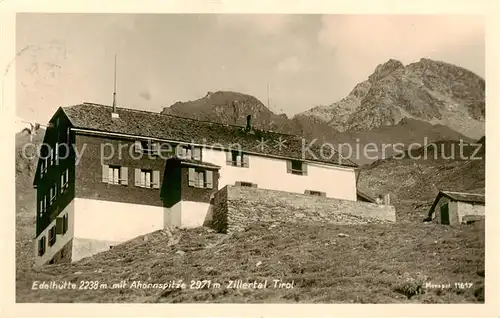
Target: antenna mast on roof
[(114, 89)]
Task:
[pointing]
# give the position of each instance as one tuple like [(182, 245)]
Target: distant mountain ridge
[(427, 100), (431, 91), (229, 108)]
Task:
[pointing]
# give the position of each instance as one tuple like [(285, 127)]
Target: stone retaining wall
[(237, 207)]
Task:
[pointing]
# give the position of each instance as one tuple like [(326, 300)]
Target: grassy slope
[(25, 199), (371, 265), (374, 264)]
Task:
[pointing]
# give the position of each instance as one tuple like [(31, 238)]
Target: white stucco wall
[(61, 240), (193, 214), (115, 221), (172, 216), (271, 173), (465, 208)]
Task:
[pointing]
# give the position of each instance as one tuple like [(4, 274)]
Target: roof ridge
[(177, 116)]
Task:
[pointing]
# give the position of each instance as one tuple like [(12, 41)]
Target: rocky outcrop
[(431, 91), (230, 108)]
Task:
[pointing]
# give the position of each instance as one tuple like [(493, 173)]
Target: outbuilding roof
[(475, 198)]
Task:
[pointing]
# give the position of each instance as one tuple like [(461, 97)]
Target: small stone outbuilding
[(454, 208)]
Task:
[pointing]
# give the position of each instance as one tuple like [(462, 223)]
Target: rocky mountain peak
[(385, 69), (432, 91)]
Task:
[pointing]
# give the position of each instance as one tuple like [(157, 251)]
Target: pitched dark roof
[(464, 197), (458, 196), (186, 130)]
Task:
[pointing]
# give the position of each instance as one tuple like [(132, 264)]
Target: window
[(53, 194), (43, 205), (51, 156), (41, 246), (237, 159), (188, 152), (52, 236), (245, 184), (64, 180), (297, 167), (313, 192), (62, 224), (146, 178), (112, 174), (146, 181), (42, 167), (65, 224), (146, 146), (200, 178)]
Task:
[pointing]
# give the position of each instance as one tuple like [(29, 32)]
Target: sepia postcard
[(250, 153)]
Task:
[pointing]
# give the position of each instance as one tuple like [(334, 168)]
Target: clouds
[(290, 64), (146, 94), (162, 58), (261, 24), (363, 41)]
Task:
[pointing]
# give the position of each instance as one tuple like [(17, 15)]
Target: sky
[(307, 60)]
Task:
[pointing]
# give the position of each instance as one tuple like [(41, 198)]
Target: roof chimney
[(249, 123), (114, 114)]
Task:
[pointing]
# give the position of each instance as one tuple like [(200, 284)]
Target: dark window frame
[(52, 236), (150, 171), (297, 167), (111, 180)]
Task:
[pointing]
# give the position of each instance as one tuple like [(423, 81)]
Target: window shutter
[(197, 153), (288, 166), (304, 169), (57, 155), (156, 179), (124, 174), (60, 226), (192, 177), (137, 177), (105, 173), (246, 162), (138, 146), (229, 157), (210, 178)]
